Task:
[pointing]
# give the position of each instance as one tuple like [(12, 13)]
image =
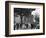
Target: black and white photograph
[(24, 18)]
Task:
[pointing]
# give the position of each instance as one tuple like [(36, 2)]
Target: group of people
[(25, 23), (25, 18)]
